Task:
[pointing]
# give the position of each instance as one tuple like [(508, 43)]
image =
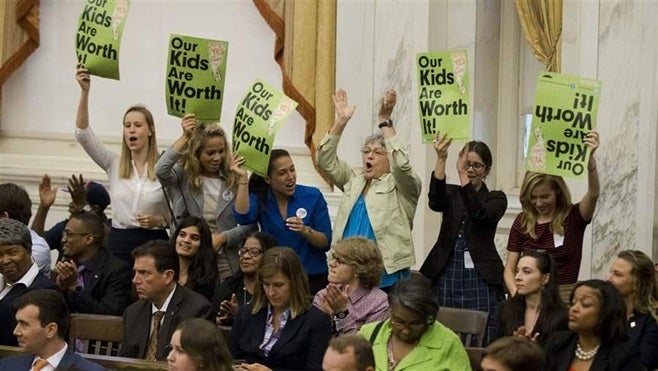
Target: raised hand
[(344, 111), (78, 191), (592, 141), (441, 144), (47, 193), (236, 165), (386, 105), (189, 125), (336, 297)]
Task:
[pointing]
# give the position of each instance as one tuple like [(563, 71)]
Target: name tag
[(558, 240), (468, 261)]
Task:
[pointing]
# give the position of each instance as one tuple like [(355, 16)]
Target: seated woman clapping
[(536, 309), (238, 289), (352, 297), (280, 329)]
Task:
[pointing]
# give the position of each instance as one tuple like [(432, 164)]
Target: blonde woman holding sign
[(550, 222), (195, 172), (139, 210)]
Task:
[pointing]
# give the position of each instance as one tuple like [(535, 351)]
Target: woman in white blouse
[(139, 210)]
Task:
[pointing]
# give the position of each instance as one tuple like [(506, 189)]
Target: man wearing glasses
[(93, 280)]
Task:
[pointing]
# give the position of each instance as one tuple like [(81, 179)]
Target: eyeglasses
[(66, 234), (400, 325), (339, 260), (376, 151), (477, 166), (252, 251)]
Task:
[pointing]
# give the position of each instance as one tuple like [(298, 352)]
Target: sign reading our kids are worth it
[(260, 114), (565, 112), (196, 72), (98, 36), (443, 94)]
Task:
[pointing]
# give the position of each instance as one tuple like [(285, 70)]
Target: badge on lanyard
[(227, 195), (301, 213)]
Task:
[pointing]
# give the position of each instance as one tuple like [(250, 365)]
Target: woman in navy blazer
[(280, 329), (632, 273)]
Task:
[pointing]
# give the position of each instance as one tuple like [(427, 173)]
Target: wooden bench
[(96, 333)]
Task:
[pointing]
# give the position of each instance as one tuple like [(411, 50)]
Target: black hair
[(164, 256)]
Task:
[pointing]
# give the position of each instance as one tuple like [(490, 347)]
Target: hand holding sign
[(441, 145), (236, 166), (189, 125), (83, 78)]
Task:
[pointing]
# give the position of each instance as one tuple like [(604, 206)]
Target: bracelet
[(243, 183)]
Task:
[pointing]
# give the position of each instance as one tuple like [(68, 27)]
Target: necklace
[(585, 356), (391, 358)]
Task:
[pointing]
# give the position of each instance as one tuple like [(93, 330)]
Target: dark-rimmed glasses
[(252, 251), (477, 166)]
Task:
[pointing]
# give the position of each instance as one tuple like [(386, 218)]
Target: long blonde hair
[(562, 202), (125, 161), (191, 162)]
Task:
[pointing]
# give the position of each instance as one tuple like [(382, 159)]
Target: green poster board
[(98, 36), (259, 115), (443, 94), (565, 112), (196, 72)]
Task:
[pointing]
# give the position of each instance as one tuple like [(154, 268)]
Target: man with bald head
[(18, 274)]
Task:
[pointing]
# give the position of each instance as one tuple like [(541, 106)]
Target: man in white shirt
[(43, 320), (18, 274), (15, 204)]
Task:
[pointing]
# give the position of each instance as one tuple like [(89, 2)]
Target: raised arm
[(165, 169), (242, 197), (84, 80), (588, 203), (47, 195)]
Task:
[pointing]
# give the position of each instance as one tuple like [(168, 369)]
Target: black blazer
[(301, 345), (482, 210), (643, 334), (7, 312), (615, 356), (109, 291), (184, 304)]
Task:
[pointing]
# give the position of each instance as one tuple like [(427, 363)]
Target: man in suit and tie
[(19, 274), (43, 320), (93, 280), (162, 305)]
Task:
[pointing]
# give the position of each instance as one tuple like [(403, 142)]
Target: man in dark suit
[(18, 274), (43, 320), (162, 305), (93, 280)]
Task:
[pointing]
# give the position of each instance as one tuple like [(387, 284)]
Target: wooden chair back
[(468, 324), (475, 357), (96, 334)]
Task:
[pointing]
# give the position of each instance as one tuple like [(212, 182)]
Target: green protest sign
[(259, 115), (443, 94), (196, 72), (98, 36), (565, 111)]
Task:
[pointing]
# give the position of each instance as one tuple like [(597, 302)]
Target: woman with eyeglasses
[(380, 198), (598, 336), (280, 329), (464, 265), (192, 242), (296, 215), (549, 221), (195, 173), (352, 297), (411, 338), (632, 273), (536, 311), (238, 290)]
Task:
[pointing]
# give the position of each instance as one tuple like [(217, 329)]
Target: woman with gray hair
[(352, 297), (380, 198), (411, 338)]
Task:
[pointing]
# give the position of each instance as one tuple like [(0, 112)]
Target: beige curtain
[(305, 48), (542, 26), (19, 27)]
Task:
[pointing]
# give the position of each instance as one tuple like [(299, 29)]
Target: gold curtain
[(19, 24), (542, 27), (305, 48)]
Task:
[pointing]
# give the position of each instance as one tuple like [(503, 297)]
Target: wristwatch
[(387, 123), (342, 314)]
